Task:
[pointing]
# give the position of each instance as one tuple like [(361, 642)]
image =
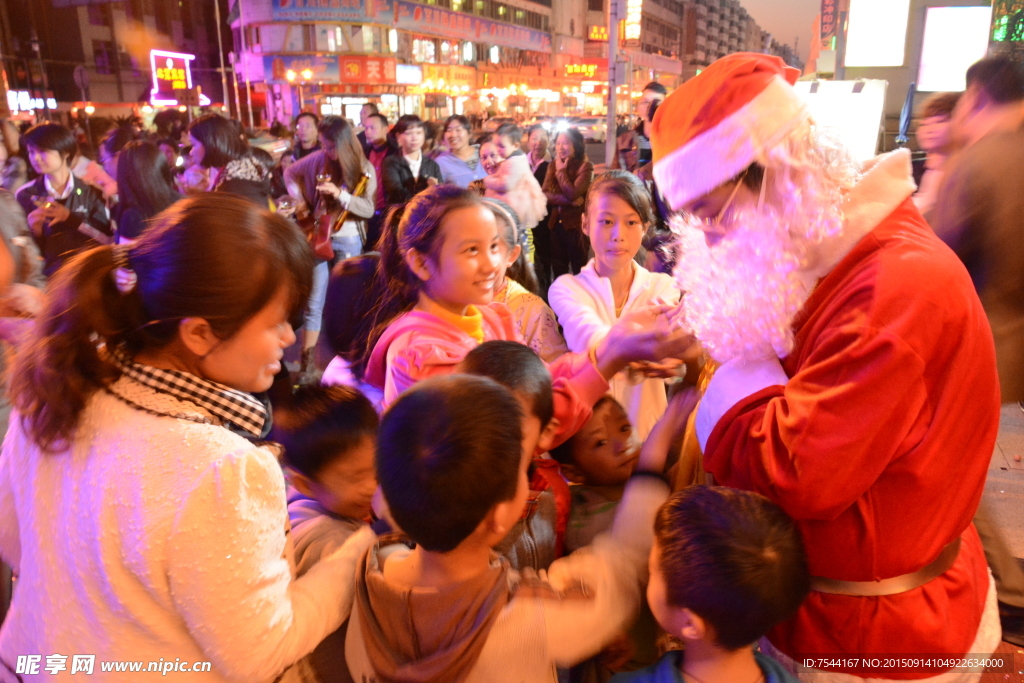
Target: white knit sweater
[(157, 537)]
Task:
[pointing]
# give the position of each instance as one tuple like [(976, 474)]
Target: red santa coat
[(878, 444)]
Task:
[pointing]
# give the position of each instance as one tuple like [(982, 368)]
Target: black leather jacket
[(399, 185), (86, 227)]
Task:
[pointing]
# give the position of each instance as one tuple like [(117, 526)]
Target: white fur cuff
[(732, 383)]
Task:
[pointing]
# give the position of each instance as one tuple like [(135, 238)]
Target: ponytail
[(213, 256), (417, 226), (62, 364)]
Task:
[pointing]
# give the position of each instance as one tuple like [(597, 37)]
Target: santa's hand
[(667, 369), (642, 336)]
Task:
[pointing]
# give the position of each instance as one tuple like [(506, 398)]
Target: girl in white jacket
[(612, 285), (142, 518)]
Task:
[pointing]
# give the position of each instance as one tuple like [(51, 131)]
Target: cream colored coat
[(154, 537)]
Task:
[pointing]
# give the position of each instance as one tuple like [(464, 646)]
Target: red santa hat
[(718, 123)]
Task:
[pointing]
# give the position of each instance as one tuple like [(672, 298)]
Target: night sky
[(785, 19)]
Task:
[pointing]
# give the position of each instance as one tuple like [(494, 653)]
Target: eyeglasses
[(714, 224)]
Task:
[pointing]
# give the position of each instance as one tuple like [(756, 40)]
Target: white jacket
[(585, 307), (155, 537)]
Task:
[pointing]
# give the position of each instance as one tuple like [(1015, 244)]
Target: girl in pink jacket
[(437, 274)]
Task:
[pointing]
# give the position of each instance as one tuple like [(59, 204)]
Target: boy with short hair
[(450, 609), (726, 566), (598, 460), (329, 437), (538, 538)]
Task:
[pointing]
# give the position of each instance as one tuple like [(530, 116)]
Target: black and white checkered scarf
[(241, 410)]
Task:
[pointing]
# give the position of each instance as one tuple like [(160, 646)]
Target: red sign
[(829, 15), (367, 69)]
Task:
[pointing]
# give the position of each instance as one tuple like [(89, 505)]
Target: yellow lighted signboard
[(634, 10), (584, 70), (598, 33)]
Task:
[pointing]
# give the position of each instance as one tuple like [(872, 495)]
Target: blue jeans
[(344, 247)]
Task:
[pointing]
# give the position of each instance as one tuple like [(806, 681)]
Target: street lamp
[(291, 77)]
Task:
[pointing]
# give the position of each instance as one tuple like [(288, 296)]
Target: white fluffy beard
[(740, 295)]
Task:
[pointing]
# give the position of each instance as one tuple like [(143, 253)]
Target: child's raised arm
[(607, 577)]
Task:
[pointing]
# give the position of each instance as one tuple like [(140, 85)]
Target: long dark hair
[(579, 145), (212, 256), (222, 139), (144, 179), (349, 152), (419, 228)]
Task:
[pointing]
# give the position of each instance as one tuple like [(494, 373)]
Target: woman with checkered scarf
[(138, 510)]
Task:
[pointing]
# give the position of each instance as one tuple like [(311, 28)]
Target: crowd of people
[(722, 412)]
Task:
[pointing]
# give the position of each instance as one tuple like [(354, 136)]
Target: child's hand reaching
[(647, 334), (670, 427)]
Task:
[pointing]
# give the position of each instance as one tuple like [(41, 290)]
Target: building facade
[(432, 58), (111, 41)]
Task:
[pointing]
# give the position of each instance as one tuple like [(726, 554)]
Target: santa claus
[(857, 386)]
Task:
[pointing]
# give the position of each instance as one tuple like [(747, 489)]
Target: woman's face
[(249, 360), (45, 161), (170, 154), (615, 231), (490, 157), (411, 141), (109, 161), (198, 151), (456, 136), (539, 142), (329, 148), (563, 146), (933, 133)]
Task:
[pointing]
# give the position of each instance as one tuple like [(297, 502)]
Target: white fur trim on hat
[(716, 155)]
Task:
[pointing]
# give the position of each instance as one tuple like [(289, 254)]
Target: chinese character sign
[(170, 72), (829, 15), (584, 70), (376, 11), (323, 68), (634, 10)]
